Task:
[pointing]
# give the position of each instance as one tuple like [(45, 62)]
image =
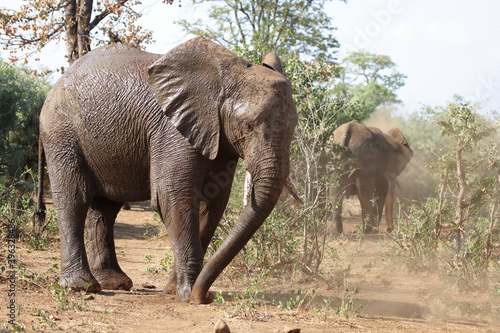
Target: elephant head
[(401, 150), (225, 106)]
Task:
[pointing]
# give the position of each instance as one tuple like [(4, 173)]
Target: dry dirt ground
[(386, 296)]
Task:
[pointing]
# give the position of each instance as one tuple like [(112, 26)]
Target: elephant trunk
[(268, 183)]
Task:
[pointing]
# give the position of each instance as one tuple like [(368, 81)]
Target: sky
[(445, 47)]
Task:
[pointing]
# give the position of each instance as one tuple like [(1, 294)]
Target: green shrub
[(17, 206)]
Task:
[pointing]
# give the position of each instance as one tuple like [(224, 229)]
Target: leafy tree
[(461, 148), (422, 130), (368, 81), (279, 26), (466, 168), (21, 98), (366, 67), (81, 23)]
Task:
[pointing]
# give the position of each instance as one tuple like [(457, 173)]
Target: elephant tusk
[(247, 187), (291, 188), (392, 178)]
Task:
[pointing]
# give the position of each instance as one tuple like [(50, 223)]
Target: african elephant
[(125, 125), (370, 162)]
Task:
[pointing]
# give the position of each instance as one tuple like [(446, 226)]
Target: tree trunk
[(84, 27), (78, 13), (71, 31), (459, 210)]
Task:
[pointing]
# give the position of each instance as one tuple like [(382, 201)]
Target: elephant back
[(363, 149), (104, 109), (356, 136)]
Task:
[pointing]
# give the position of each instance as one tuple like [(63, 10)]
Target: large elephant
[(370, 163), (125, 125)]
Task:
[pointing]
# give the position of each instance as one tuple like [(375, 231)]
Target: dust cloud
[(414, 182)]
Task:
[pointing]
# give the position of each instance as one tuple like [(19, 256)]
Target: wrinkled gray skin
[(124, 125), (372, 161)]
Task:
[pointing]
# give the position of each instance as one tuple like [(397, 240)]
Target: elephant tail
[(40, 205)]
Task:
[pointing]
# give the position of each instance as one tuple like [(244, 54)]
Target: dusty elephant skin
[(371, 162), (124, 125)]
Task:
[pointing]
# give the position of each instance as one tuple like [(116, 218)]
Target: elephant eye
[(248, 127)]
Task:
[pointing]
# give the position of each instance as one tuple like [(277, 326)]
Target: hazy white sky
[(445, 47)]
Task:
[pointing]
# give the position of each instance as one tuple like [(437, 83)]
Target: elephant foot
[(183, 293), (339, 227), (82, 281), (200, 297), (171, 287), (110, 279), (389, 229)]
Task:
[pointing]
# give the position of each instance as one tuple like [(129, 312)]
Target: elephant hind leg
[(101, 246), (75, 271), (70, 193)]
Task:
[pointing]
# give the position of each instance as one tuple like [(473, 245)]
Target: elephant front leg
[(369, 225), (188, 260), (210, 215), (214, 198), (379, 201), (182, 222), (337, 213), (389, 202), (366, 197), (101, 245), (209, 218)]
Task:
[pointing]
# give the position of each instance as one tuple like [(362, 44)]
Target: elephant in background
[(123, 125), (370, 163)]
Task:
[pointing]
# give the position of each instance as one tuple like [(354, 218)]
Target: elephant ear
[(398, 136), (187, 84), (271, 60), (406, 153)]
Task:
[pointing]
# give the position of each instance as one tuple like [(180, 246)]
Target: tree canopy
[(368, 81), (279, 26), (364, 68), (81, 23)]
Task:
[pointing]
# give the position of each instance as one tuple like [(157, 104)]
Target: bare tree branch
[(98, 18)]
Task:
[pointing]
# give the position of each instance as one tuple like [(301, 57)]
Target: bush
[(22, 94), (17, 204)]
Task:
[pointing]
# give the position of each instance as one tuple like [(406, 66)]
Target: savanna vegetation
[(448, 216)]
